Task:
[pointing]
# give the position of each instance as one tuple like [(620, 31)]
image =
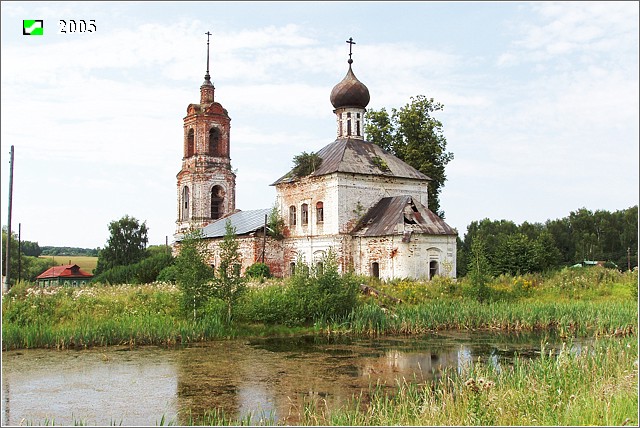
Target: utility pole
[(264, 237), (19, 252), (628, 258), (8, 251)]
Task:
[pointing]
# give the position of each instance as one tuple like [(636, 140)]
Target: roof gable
[(384, 217), (356, 156)]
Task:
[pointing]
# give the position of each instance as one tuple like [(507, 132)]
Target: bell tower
[(206, 184)]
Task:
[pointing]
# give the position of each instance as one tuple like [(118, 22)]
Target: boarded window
[(292, 215), (304, 215), (319, 212)]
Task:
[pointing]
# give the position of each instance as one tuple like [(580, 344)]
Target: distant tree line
[(606, 236), (65, 251)]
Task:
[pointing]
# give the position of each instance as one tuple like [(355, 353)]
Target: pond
[(272, 378)]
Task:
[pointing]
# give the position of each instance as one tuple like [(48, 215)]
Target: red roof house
[(64, 275)]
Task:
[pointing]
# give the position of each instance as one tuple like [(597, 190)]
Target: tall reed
[(598, 386)]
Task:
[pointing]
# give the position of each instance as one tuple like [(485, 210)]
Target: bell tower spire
[(206, 183), (207, 89)]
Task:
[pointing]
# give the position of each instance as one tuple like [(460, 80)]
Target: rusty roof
[(399, 214), (244, 222), (64, 271), (357, 156)]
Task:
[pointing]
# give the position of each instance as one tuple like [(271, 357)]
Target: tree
[(275, 224), (193, 274), (413, 135), (126, 245), (479, 270), (229, 284), (305, 163)]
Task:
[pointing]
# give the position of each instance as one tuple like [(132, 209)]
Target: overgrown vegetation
[(308, 297), (192, 273), (573, 302), (305, 163), (228, 283)]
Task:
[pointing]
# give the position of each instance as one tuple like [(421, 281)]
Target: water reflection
[(274, 377)]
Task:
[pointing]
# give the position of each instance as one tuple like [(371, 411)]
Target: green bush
[(258, 270), (304, 299), (143, 272)]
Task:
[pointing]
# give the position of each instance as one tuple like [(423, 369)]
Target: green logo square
[(33, 27)]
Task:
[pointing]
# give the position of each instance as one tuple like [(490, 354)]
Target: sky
[(541, 103)]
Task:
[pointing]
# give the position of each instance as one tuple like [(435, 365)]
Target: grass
[(603, 303), (598, 386), (86, 263)]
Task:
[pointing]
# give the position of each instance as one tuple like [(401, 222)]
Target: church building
[(359, 201)]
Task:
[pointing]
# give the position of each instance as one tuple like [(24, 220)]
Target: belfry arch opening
[(214, 142), (191, 144), (217, 202)]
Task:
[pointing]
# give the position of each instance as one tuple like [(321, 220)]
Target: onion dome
[(350, 92)]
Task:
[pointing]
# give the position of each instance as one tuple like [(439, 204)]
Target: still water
[(271, 378)]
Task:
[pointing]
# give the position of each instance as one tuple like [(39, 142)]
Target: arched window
[(214, 142), (185, 204), (292, 268), (319, 212), (304, 215), (191, 145), (292, 215), (217, 202), (348, 124), (358, 124)]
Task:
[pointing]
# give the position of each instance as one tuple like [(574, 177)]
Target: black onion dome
[(350, 92)]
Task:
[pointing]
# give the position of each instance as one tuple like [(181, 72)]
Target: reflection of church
[(362, 202)]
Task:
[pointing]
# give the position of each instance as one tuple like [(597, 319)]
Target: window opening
[(217, 199), (185, 203), (319, 212), (190, 144), (304, 214), (214, 140), (292, 215)]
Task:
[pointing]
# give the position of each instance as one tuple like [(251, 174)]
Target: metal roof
[(357, 156), (399, 214), (244, 222), (64, 271)]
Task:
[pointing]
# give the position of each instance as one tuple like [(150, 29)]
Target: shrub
[(305, 298), (258, 270), (143, 272)]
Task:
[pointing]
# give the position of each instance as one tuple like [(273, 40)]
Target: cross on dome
[(351, 43)]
